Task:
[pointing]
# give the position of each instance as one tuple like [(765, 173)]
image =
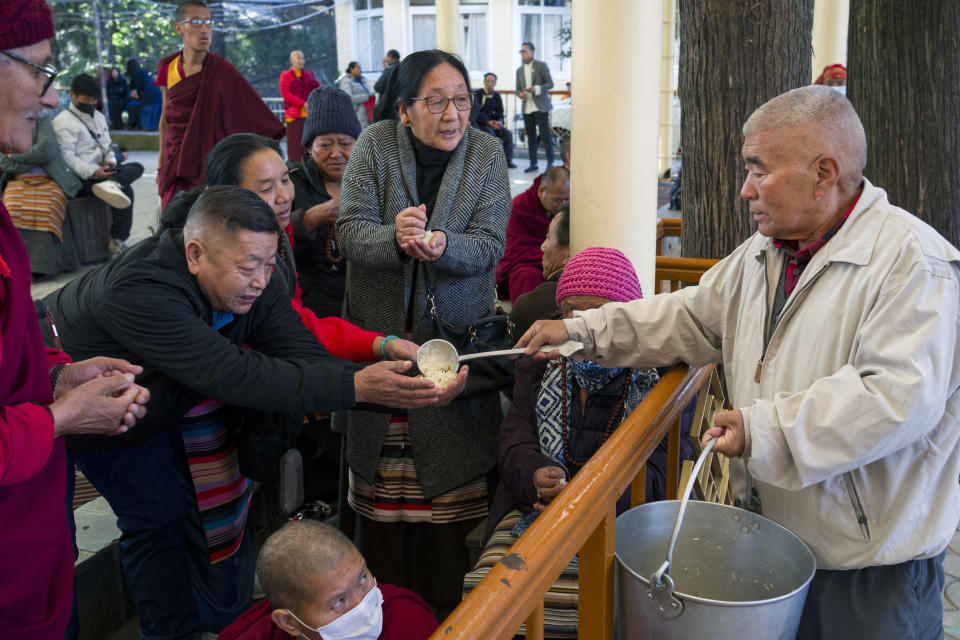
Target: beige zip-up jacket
[(853, 427)]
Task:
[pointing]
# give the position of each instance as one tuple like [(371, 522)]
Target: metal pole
[(103, 82)]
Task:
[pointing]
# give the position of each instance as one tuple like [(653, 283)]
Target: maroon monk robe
[(36, 552), (201, 110), (521, 267), (405, 617)]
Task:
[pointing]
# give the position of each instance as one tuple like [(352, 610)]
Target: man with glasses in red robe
[(43, 396)]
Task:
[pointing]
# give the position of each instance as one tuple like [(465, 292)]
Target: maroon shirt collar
[(803, 256)]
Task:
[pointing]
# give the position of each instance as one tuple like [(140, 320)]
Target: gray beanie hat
[(329, 110)]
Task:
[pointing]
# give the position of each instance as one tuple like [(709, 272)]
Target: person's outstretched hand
[(382, 383), (400, 349), (728, 429), (540, 333)]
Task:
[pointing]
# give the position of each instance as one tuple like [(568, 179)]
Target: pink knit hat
[(602, 272), (24, 22)]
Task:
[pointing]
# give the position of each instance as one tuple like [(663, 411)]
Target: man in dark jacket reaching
[(199, 311)]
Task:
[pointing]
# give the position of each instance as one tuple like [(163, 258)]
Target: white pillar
[(830, 20), (448, 23), (615, 127), (667, 84)]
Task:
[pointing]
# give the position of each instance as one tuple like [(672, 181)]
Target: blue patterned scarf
[(591, 377)]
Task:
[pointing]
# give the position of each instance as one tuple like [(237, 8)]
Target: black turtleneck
[(431, 163)]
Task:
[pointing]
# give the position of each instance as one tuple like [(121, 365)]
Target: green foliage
[(256, 38), (566, 37)]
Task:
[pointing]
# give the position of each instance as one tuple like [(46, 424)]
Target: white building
[(490, 36)]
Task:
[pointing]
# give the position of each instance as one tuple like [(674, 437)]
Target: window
[(474, 38), (368, 33), (474, 35), (540, 23), (423, 25)]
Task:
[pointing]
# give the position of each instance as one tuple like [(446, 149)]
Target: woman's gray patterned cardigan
[(457, 443)]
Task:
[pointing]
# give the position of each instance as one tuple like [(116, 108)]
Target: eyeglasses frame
[(446, 103), (48, 69)]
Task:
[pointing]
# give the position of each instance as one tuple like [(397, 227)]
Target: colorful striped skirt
[(560, 602), (36, 203), (223, 495), (396, 496)]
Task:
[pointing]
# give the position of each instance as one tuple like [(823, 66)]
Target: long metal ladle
[(445, 354)]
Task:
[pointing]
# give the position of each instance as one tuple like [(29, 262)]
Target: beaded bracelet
[(383, 350)]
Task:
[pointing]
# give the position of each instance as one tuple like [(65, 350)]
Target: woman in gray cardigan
[(418, 481), (355, 85)]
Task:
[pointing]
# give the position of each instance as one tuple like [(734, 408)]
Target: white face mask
[(841, 89), (363, 622)]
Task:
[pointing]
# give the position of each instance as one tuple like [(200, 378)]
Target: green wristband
[(383, 350)]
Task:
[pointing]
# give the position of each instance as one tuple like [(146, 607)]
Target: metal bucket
[(735, 575)]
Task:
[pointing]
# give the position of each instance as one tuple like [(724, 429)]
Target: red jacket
[(295, 92), (36, 563), (341, 338), (405, 617), (521, 267)]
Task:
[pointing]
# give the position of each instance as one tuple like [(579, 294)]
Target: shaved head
[(815, 120), (299, 552)]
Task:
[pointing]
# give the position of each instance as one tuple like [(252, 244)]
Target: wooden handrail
[(580, 519), (552, 92), (679, 270), (672, 227)]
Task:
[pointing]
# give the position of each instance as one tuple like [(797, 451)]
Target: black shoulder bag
[(487, 375)]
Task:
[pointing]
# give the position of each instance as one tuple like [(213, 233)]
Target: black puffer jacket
[(147, 308)]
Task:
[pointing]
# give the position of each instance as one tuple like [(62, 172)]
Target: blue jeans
[(162, 546)]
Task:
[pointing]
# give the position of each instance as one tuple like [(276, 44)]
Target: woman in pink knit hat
[(561, 413)]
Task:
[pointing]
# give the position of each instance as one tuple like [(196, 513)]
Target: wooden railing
[(580, 520), (676, 271)]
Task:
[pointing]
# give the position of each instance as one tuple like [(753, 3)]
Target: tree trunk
[(904, 81), (734, 56)]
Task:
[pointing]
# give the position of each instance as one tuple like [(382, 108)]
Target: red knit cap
[(602, 272), (24, 22)]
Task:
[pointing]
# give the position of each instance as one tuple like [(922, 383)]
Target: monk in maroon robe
[(41, 398), (521, 268), (205, 99)]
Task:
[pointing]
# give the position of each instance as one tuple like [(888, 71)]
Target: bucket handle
[(657, 579)]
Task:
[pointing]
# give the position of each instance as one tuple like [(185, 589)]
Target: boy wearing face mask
[(319, 588), (84, 140)]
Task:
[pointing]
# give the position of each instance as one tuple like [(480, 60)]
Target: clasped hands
[(411, 227), (98, 396)]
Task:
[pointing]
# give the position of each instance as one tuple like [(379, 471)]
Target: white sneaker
[(116, 247), (110, 192)]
